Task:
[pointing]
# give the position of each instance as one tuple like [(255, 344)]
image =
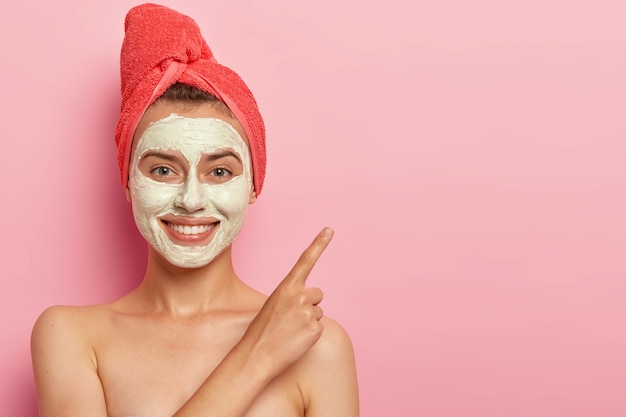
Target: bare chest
[(151, 370)]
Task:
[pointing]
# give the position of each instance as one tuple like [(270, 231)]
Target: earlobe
[(127, 194), (252, 198)]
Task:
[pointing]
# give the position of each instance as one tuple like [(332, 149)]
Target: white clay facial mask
[(190, 182)]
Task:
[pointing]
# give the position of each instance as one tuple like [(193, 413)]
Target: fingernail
[(327, 232)]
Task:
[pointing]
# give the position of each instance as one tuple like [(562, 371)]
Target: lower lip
[(199, 239)]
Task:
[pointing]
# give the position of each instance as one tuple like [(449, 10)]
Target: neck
[(189, 291)]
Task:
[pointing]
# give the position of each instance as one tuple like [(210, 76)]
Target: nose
[(191, 196)]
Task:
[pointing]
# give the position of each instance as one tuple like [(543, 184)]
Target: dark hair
[(185, 93)]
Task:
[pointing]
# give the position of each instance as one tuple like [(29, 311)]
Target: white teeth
[(190, 230)]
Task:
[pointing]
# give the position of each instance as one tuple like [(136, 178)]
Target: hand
[(288, 324)]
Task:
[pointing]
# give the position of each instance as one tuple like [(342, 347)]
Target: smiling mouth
[(190, 230)]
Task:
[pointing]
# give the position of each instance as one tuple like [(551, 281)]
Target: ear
[(252, 198), (128, 194)]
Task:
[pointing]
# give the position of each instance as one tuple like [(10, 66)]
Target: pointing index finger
[(303, 267)]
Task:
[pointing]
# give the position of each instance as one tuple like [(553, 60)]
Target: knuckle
[(317, 328), (319, 294), (308, 256), (302, 299), (315, 295)]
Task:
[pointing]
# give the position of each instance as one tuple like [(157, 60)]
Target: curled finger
[(318, 312)]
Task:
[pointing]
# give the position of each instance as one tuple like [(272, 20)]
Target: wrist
[(255, 363)]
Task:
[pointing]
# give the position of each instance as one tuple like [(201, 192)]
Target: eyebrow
[(161, 155), (221, 154)]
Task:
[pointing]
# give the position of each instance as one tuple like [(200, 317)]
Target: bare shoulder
[(67, 321), (327, 374), (332, 352), (68, 329), (64, 362), (67, 314), (335, 343)]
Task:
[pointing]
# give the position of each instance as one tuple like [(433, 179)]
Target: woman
[(192, 339)]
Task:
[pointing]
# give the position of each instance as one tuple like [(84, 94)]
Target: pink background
[(470, 156)]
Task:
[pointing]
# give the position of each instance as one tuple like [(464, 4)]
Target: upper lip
[(189, 221)]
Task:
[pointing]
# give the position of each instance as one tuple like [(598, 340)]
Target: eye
[(162, 171), (221, 172)]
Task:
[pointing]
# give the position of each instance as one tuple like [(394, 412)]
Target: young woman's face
[(190, 181)]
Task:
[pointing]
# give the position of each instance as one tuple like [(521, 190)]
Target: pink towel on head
[(162, 47)]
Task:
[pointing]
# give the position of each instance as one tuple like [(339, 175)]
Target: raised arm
[(285, 329), (287, 326)]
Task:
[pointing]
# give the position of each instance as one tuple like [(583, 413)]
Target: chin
[(190, 257)]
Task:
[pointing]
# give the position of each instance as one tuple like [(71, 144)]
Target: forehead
[(163, 108)]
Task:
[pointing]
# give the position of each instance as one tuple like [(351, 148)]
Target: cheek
[(151, 197), (231, 198)]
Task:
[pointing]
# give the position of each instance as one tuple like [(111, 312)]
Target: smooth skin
[(197, 342)]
